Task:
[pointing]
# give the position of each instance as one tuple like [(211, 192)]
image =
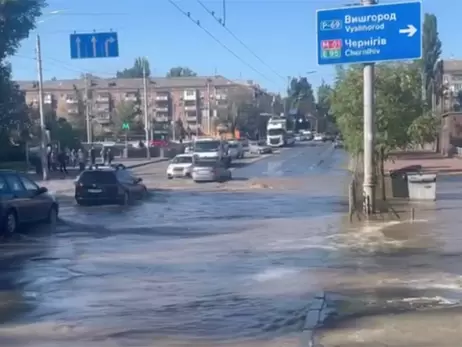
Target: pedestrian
[(103, 156), (92, 155), (62, 159), (49, 158), (81, 158), (73, 157), (110, 156), (54, 159)]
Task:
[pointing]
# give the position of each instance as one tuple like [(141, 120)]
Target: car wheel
[(52, 217), (10, 224), (169, 177)]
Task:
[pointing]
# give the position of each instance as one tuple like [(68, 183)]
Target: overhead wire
[(223, 24), (217, 40)]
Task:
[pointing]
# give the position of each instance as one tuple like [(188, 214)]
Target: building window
[(190, 92)]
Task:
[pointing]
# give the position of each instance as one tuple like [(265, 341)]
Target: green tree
[(398, 104), (424, 129), (17, 20), (181, 71), (127, 112), (431, 52), (136, 71), (300, 97), (324, 114)]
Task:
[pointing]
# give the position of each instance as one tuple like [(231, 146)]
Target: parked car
[(260, 147), (235, 150), (210, 171), (108, 186), (22, 201), (180, 166)]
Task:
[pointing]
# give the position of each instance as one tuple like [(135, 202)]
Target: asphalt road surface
[(231, 265)]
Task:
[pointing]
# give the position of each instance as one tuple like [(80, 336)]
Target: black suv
[(22, 201), (108, 185)]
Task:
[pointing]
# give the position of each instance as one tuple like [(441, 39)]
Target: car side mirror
[(42, 190)]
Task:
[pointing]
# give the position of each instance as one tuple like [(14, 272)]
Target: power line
[(197, 22), (223, 24)]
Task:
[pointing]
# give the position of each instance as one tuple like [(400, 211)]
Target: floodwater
[(220, 268)]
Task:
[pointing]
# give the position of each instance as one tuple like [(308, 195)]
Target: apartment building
[(193, 100)]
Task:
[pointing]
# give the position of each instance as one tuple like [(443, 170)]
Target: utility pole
[(146, 116), (369, 132), (87, 111), (43, 132), (209, 127)]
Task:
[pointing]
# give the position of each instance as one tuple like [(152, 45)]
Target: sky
[(281, 33)]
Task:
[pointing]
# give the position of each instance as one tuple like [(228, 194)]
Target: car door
[(39, 202), (21, 198)]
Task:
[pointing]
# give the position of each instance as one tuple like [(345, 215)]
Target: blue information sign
[(369, 34), (94, 45)]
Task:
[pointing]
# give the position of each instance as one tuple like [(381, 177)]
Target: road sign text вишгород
[(369, 34), (94, 45)]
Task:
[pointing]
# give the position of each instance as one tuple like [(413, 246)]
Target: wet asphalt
[(205, 267)]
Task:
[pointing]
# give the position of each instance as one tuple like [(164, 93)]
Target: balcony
[(162, 119), (191, 118), (73, 110), (190, 108), (103, 118), (133, 97), (71, 100), (162, 97), (48, 99), (102, 108), (103, 98), (189, 95), (162, 108)]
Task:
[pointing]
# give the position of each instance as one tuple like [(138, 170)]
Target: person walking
[(110, 156), (81, 158), (62, 159), (92, 155)]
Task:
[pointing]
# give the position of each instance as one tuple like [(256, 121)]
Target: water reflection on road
[(202, 268)]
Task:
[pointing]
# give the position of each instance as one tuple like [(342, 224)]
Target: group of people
[(59, 160)]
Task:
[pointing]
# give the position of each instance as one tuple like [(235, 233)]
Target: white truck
[(277, 134), (205, 148)]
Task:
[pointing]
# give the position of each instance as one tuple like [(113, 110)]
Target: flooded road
[(209, 268)]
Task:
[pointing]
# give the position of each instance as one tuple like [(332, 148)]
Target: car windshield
[(275, 132), (206, 163), (182, 160), (97, 177), (233, 145), (206, 146)]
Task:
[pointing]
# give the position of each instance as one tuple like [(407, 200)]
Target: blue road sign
[(369, 34), (94, 45)]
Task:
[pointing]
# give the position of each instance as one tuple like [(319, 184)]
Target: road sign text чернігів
[(368, 34)]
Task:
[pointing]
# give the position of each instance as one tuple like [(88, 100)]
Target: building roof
[(452, 65), (132, 83)]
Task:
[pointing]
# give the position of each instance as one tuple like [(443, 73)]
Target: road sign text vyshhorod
[(94, 45), (368, 34)]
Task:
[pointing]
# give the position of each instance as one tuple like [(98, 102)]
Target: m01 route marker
[(94, 45), (369, 34)]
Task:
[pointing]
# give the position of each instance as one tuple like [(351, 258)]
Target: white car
[(180, 166), (319, 137), (235, 150)]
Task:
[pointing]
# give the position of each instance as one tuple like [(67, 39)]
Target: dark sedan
[(108, 186), (22, 201)]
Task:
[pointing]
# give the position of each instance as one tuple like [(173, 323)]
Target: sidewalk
[(431, 162), (63, 185)]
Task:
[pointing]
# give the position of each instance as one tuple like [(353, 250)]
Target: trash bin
[(422, 187), (399, 184)]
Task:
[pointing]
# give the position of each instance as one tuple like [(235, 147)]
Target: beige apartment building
[(194, 100)]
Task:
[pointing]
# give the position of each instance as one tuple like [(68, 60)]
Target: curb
[(145, 163), (317, 313)]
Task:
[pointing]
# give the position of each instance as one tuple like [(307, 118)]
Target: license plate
[(95, 190)]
